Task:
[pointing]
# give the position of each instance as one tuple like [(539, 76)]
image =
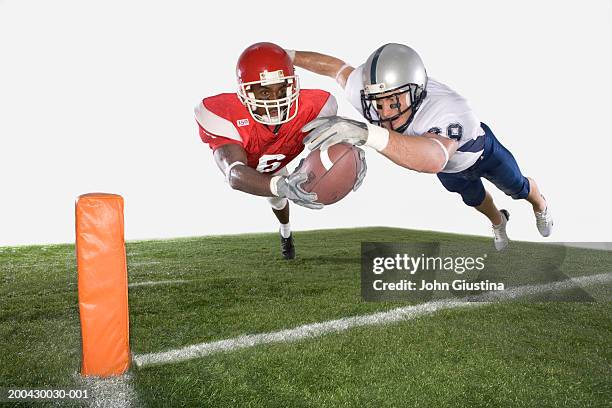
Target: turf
[(514, 354)]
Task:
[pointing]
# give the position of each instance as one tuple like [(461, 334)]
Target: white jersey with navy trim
[(444, 112)]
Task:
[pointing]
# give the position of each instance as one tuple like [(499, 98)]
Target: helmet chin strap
[(402, 128)]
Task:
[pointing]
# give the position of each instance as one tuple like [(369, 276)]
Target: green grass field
[(535, 354)]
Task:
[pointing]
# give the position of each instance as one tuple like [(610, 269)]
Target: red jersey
[(223, 119)]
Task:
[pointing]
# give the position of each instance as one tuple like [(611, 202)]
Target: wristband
[(342, 68), (273, 185), (228, 170), (443, 149), (291, 54), (378, 137)]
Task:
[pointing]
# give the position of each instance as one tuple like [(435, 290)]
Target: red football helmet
[(267, 64)]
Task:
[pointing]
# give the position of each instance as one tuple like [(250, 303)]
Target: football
[(332, 173)]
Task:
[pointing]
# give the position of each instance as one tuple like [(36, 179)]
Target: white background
[(98, 96)]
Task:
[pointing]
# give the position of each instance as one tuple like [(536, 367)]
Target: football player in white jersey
[(393, 92)]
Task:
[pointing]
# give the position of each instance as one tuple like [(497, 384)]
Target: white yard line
[(155, 283), (332, 326)]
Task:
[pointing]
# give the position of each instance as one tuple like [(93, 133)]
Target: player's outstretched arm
[(232, 159), (323, 65), (427, 154)]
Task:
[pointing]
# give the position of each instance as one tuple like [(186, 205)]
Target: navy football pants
[(496, 165)]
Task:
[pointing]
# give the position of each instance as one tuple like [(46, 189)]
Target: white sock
[(285, 230)]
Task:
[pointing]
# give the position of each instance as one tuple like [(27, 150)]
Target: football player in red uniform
[(256, 132)]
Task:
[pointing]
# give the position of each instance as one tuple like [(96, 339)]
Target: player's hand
[(328, 131), (291, 188), (362, 170)]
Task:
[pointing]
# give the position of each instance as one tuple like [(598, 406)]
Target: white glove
[(290, 187), (328, 131)]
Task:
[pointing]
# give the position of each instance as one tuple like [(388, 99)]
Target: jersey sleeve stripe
[(214, 124), (330, 108), (474, 145)]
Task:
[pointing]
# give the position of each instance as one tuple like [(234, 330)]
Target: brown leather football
[(332, 173)]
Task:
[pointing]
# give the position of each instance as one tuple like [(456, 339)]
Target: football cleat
[(499, 231), (287, 247), (544, 221)]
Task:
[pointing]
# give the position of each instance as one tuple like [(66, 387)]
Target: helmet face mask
[(271, 111), (410, 96), (267, 84)]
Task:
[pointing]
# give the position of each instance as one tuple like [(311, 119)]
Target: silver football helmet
[(390, 72)]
